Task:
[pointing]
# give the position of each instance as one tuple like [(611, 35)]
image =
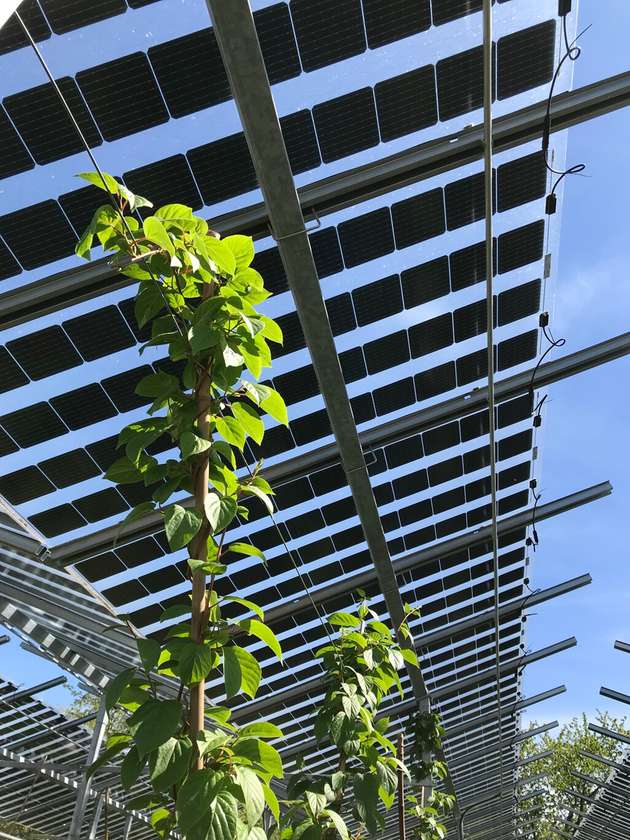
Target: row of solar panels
[(216, 171)]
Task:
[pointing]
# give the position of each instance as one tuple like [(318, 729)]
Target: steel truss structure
[(377, 490)]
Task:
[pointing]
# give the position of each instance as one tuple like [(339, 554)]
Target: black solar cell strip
[(386, 352), (83, 406), (141, 551), (66, 15), (45, 352), (57, 520), (448, 500), (9, 266), (138, 4), (471, 367), (44, 124), (276, 440), (468, 265), (100, 567), (476, 459), (80, 205), (127, 307), (395, 396), (190, 72), (297, 385), (474, 425), (435, 381), (447, 10), (525, 59), (123, 96), (269, 264), (366, 237), (166, 181), (346, 125), (391, 20), (100, 505), (162, 578), (327, 31), (425, 282), (515, 410), (465, 201), (514, 475), (521, 246), (326, 251), (341, 313), (518, 302), (121, 388), (460, 83), (15, 158), (406, 103), (325, 481), (55, 238), (443, 437), (408, 485), (7, 446), (32, 425), (404, 451), (99, 333), (293, 335), (446, 470), (300, 140), (470, 320), (517, 350), (104, 451), (293, 493), (432, 335), (125, 593), (223, 168), (377, 300), (339, 510), (12, 36), (25, 484), (311, 427), (305, 523), (11, 375), (69, 468), (277, 42), (520, 181), (418, 218)]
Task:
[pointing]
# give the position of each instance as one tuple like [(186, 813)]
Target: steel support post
[(242, 57), (83, 790)]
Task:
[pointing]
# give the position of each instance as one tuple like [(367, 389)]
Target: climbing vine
[(427, 813)]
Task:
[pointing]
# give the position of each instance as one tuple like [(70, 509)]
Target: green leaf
[(231, 357), (123, 471), (316, 802), (162, 822), (174, 213), (242, 247), (157, 385), (82, 248), (260, 729), (106, 756), (247, 549), (169, 763), (274, 405), (149, 301), (230, 430), (250, 605), (337, 821), (131, 768), (116, 687), (252, 794), (224, 820), (155, 232), (209, 741), (95, 178), (241, 671), (261, 754), (249, 420), (195, 662), (220, 254), (262, 632), (271, 330), (138, 512), (149, 650), (154, 723), (342, 619), (196, 796), (220, 511), (132, 199), (260, 494), (192, 444), (175, 611), (181, 525), (409, 656), (272, 801)]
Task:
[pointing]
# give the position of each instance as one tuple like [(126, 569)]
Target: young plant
[(427, 815), (197, 295), (361, 667)]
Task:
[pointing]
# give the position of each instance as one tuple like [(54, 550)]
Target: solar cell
[(83, 406), (521, 180), (468, 265), (445, 11), (518, 302), (465, 201), (418, 218), (347, 124), (296, 385), (40, 117), (100, 505), (425, 282), (121, 388), (341, 313), (11, 375), (391, 20), (32, 425), (69, 468), (429, 336), (123, 96), (55, 238), (377, 300), (326, 251), (520, 246), (167, 181), (223, 168), (66, 15), (460, 83), (101, 566), (25, 484), (313, 23), (44, 352), (80, 205), (366, 237), (57, 520), (9, 266), (406, 103), (300, 140), (386, 352), (525, 59), (104, 451), (12, 36), (435, 381), (277, 42), (393, 397), (269, 264), (99, 333)]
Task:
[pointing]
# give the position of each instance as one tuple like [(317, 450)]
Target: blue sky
[(587, 416)]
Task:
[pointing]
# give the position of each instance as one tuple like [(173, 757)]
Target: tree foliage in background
[(566, 747)]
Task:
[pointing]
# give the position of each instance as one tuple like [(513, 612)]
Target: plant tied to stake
[(198, 294), (428, 815)]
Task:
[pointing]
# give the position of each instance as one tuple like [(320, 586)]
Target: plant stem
[(199, 595)]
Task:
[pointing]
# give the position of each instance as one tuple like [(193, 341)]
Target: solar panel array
[(401, 276)]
